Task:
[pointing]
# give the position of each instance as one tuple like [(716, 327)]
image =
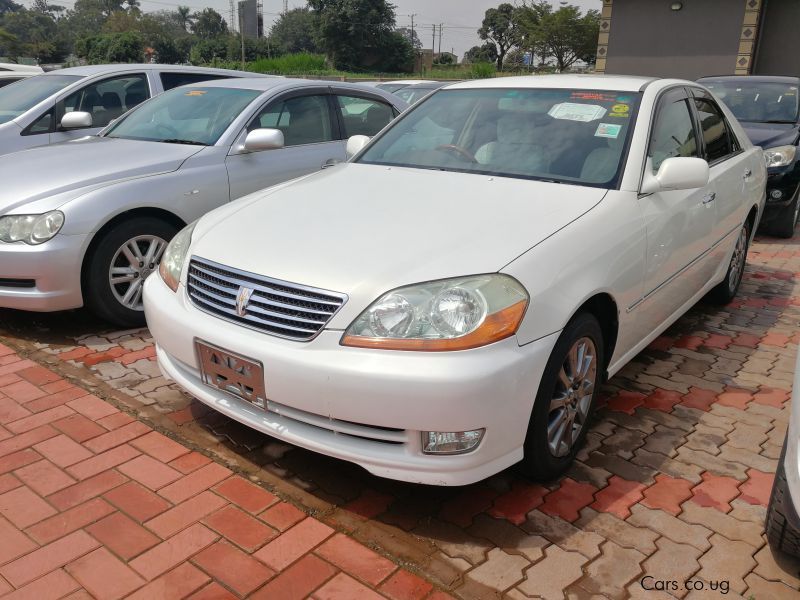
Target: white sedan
[(448, 303)]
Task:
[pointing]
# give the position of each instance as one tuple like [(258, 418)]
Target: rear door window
[(108, 99), (302, 119), (173, 80), (717, 137), (363, 116)]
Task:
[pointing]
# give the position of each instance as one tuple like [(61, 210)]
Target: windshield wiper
[(187, 142)]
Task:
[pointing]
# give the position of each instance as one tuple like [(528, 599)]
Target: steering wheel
[(459, 151)]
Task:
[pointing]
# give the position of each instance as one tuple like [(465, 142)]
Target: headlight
[(452, 314), (31, 229), (172, 262), (780, 156)]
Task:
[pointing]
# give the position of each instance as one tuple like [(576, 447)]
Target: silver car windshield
[(758, 101), (562, 135), (187, 115), (23, 95)]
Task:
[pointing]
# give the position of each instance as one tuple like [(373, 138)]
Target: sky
[(461, 18)]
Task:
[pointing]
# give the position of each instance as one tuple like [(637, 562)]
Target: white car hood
[(363, 230), (63, 171)]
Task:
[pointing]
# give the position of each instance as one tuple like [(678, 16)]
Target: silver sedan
[(85, 222)]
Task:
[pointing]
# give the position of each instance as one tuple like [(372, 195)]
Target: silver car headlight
[(779, 156), (171, 264), (31, 229), (451, 314)]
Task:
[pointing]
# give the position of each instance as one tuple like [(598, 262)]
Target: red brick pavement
[(92, 501)]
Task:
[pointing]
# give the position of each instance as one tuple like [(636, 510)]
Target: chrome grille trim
[(280, 308)]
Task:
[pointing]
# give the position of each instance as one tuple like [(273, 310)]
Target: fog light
[(776, 194), (456, 442)]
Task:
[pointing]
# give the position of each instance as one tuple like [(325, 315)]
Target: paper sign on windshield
[(571, 111), (608, 130)]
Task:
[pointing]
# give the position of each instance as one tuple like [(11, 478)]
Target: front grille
[(279, 308)]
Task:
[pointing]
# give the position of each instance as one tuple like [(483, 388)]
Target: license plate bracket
[(232, 373)]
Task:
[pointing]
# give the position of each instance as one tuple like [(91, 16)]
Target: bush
[(302, 63), (483, 70)]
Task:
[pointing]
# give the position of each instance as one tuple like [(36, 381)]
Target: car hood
[(64, 171), (363, 229), (770, 135)]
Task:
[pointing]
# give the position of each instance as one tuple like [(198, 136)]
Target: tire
[(726, 290), (782, 521), (114, 303), (786, 219), (546, 454)]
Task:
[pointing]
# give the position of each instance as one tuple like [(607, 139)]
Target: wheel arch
[(603, 307), (752, 217)]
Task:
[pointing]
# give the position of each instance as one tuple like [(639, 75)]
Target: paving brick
[(355, 559), (54, 585), (282, 516), (509, 538), (618, 497), (724, 524), (714, 464), (122, 535), (189, 462), (706, 439), (115, 420), (102, 462), (778, 567), (248, 496), (181, 516), (624, 469), (673, 562), (758, 587), (194, 482), (151, 473), (343, 587), (563, 534), (667, 494), (23, 507), (610, 573), (117, 437), (70, 520), (716, 492), (137, 501), (13, 543), (43, 477), (104, 576), (22, 391), (727, 560), (160, 447), (405, 586), (515, 504), (62, 451), (10, 410), (14, 461), (615, 529), (458, 547), (213, 591), (549, 577), (232, 567), (500, 571), (86, 490), (48, 558), (295, 542), (670, 527), (568, 499), (757, 488), (240, 528), (78, 427), (92, 407), (52, 400), (462, 508), (178, 583), (38, 419), (8, 482), (173, 551)]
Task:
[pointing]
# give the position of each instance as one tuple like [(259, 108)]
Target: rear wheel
[(565, 400), (115, 272), (782, 520), (786, 219), (726, 290)]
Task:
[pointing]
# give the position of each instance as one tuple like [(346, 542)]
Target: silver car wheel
[(569, 407), (738, 261), (134, 262)]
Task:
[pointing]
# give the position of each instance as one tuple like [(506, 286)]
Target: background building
[(692, 38), (251, 20)]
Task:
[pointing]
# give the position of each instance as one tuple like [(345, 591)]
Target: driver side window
[(108, 99), (673, 132), (302, 119)]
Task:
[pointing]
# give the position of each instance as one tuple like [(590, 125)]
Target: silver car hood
[(363, 230), (65, 171)]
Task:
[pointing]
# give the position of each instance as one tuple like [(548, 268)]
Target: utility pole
[(441, 28), (412, 28), (241, 31), (433, 44)]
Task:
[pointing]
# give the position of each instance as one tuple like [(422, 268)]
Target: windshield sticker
[(570, 111), (195, 93), (608, 130), (620, 110), (597, 96)]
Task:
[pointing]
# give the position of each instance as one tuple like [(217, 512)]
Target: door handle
[(709, 198), (331, 162), (747, 174)]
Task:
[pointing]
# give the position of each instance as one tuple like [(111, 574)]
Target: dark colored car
[(767, 108)]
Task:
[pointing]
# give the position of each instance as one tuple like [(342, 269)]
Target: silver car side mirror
[(676, 173), (263, 139), (76, 120), (355, 144)]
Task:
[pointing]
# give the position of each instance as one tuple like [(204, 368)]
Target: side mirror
[(263, 139), (355, 144), (76, 120), (677, 173)]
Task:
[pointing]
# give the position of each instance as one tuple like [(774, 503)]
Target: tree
[(479, 54), (499, 28), (7, 6), (412, 36), (209, 24), (570, 36), (445, 58), (529, 17), (42, 6), (127, 47), (184, 17), (295, 31), (36, 35)]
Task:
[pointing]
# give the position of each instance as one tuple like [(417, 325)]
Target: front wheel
[(726, 290), (117, 267), (565, 399), (786, 219), (783, 524)]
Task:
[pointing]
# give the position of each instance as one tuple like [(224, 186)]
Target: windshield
[(391, 87), (575, 136), (413, 95), (186, 115), (23, 95), (758, 101)]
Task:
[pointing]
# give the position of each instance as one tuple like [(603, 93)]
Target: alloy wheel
[(134, 262), (738, 261), (569, 406)]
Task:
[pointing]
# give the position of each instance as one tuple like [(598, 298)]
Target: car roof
[(620, 83), (754, 78), (267, 84), (432, 85), (89, 70), (15, 68), (406, 82)]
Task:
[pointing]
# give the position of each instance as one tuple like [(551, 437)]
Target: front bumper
[(364, 406), (42, 278), (786, 181)]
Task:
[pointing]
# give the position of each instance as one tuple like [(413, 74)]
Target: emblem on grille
[(242, 298)]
